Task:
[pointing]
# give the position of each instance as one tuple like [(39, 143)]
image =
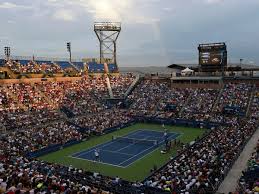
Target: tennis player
[(97, 155), (163, 125)]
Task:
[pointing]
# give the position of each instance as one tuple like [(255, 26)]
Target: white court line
[(160, 131), (172, 136), (96, 162), (141, 157), (118, 152), (136, 155), (153, 150), (132, 144), (91, 149)]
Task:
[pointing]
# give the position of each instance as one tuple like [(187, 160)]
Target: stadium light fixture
[(107, 34), (7, 51), (69, 51)]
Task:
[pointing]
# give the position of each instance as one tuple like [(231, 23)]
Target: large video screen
[(212, 57)]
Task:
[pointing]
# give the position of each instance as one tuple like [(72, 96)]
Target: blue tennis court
[(124, 151)]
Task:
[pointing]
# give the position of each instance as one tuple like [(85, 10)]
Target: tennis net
[(135, 141)]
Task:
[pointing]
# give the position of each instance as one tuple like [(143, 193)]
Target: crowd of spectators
[(33, 67), (121, 83), (80, 96), (103, 120), (25, 119), (147, 95), (4, 100), (249, 181), (28, 95), (31, 114), (158, 99), (200, 104), (201, 167), (235, 95), (174, 99), (254, 110), (20, 174), (35, 138)]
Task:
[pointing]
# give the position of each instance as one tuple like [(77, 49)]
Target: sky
[(154, 32)]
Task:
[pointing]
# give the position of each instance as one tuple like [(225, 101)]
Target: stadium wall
[(243, 80), (201, 86)]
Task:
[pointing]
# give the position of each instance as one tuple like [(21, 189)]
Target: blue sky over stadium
[(155, 32)]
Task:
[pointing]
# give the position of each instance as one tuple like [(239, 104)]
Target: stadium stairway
[(66, 112), (186, 103), (251, 98), (217, 100), (230, 182), (44, 97), (2, 127), (74, 66), (133, 86), (108, 83)]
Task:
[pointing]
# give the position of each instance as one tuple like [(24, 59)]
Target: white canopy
[(187, 70)]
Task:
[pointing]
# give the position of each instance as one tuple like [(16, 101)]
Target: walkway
[(230, 182)]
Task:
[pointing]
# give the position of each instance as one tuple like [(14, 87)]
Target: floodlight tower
[(7, 51), (107, 34), (69, 50)]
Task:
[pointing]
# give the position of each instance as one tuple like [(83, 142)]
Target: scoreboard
[(212, 57)]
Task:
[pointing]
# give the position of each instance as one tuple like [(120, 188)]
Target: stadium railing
[(178, 122)]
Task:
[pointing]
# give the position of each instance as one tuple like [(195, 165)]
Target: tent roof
[(187, 70)]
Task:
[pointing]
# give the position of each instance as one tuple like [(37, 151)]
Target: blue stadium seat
[(44, 62), (94, 67), (80, 65), (1, 62), (24, 62), (112, 68), (63, 64)]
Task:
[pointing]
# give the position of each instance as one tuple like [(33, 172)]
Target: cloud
[(11, 22), (127, 11), (4, 38), (8, 5), (65, 15), (214, 1), (167, 9), (109, 10), (172, 26)]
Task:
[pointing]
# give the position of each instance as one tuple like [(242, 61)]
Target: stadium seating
[(80, 65), (34, 67), (201, 167), (2, 62), (112, 68), (94, 67), (24, 62), (204, 102), (33, 114), (44, 62), (120, 84), (63, 64), (249, 181)]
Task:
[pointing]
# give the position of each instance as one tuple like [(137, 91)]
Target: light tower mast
[(107, 34)]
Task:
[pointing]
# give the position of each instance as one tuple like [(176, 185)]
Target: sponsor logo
[(215, 60)]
